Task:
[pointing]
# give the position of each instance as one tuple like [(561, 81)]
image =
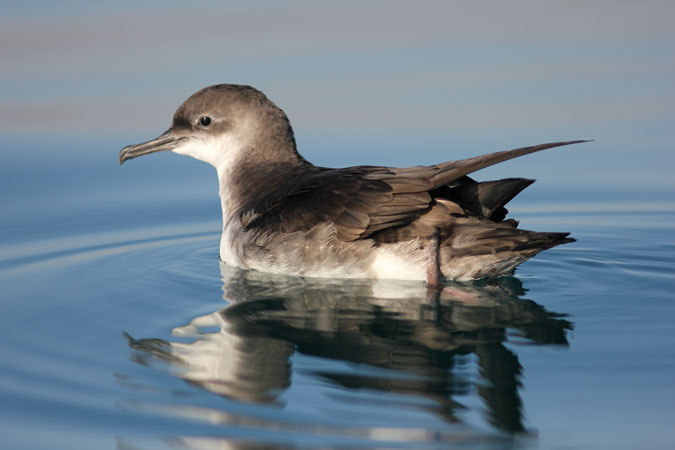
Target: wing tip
[(579, 141), (559, 144)]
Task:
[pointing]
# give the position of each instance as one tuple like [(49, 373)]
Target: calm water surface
[(120, 329)]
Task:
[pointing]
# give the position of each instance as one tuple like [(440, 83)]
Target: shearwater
[(284, 215)]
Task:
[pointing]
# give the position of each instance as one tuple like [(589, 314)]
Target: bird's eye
[(205, 121)]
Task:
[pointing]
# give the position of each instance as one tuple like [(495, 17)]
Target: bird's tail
[(479, 251)]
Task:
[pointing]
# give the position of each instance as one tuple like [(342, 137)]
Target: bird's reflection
[(423, 340)]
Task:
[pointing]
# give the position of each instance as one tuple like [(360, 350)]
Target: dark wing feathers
[(353, 219), (391, 204), (452, 170), (493, 195), (486, 199), (404, 185)]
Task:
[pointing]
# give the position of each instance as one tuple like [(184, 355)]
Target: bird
[(282, 214)]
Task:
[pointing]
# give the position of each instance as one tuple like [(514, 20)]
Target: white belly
[(391, 264), (317, 253)]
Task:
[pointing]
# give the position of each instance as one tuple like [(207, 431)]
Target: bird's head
[(220, 124)]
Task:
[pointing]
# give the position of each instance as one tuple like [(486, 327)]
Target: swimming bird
[(282, 214)]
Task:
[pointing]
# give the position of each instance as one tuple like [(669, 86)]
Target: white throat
[(222, 152)]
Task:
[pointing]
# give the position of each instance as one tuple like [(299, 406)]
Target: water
[(121, 329)]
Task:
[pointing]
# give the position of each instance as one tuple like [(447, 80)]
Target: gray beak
[(167, 141)]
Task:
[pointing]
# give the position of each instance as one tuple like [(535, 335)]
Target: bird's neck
[(250, 188), (250, 183)]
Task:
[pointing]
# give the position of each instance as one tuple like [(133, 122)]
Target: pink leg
[(433, 261)]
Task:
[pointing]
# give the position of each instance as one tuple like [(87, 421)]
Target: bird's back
[(393, 212)]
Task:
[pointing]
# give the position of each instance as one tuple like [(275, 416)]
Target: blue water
[(121, 329)]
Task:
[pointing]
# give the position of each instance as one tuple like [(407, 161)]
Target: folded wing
[(392, 204)]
